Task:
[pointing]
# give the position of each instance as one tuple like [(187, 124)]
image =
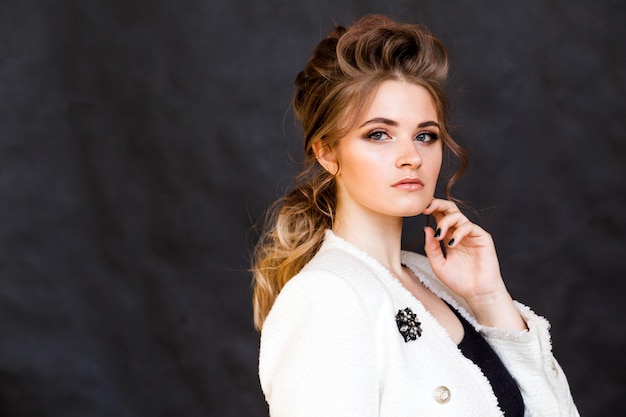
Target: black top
[(475, 348)]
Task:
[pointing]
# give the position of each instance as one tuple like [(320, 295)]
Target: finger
[(461, 232), (440, 206), (432, 248), (448, 224), (478, 235)]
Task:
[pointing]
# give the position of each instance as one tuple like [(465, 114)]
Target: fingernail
[(451, 242), (438, 232), (429, 204)]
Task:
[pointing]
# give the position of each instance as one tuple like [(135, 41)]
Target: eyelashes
[(378, 135), (381, 136), (427, 137)]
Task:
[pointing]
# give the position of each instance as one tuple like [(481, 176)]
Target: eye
[(426, 137), (378, 135)]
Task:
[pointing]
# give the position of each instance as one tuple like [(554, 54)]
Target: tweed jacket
[(331, 346)]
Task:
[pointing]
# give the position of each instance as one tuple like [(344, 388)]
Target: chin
[(411, 207), (412, 212)]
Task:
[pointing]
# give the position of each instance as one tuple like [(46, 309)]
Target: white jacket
[(330, 346)]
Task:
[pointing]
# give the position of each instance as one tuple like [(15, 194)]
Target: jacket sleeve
[(317, 351), (528, 357)]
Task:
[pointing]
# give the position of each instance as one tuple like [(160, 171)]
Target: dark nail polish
[(429, 204), (451, 242), (438, 232)]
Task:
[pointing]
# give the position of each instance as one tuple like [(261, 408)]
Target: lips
[(409, 184)]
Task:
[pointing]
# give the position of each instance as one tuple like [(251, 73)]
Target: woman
[(351, 324)]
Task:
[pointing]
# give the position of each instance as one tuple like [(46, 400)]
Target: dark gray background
[(140, 141)]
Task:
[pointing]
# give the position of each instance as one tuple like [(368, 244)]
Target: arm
[(521, 339), (317, 355), (528, 357)]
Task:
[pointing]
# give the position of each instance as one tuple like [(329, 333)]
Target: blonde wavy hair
[(331, 92)]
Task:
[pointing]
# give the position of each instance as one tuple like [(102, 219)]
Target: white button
[(441, 394)]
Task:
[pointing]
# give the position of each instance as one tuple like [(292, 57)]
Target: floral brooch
[(408, 324)]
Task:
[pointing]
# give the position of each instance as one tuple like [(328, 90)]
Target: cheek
[(437, 168), (359, 162), (358, 170), (432, 162)]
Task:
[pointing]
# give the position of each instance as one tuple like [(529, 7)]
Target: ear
[(326, 157)]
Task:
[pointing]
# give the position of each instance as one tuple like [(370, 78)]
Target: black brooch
[(408, 324)]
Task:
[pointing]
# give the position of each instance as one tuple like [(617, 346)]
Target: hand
[(470, 265)]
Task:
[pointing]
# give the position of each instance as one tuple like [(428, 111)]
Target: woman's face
[(389, 164)]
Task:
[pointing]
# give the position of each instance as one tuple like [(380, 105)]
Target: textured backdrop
[(140, 141)]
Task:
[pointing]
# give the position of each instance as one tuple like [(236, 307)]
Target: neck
[(379, 237)]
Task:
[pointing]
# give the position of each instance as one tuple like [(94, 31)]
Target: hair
[(333, 89)]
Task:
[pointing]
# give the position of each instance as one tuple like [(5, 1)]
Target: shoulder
[(337, 281), (333, 278), (318, 327), (338, 260), (316, 318)]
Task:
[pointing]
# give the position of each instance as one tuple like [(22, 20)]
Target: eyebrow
[(390, 122)]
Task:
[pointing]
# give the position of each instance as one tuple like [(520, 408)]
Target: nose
[(408, 154)]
